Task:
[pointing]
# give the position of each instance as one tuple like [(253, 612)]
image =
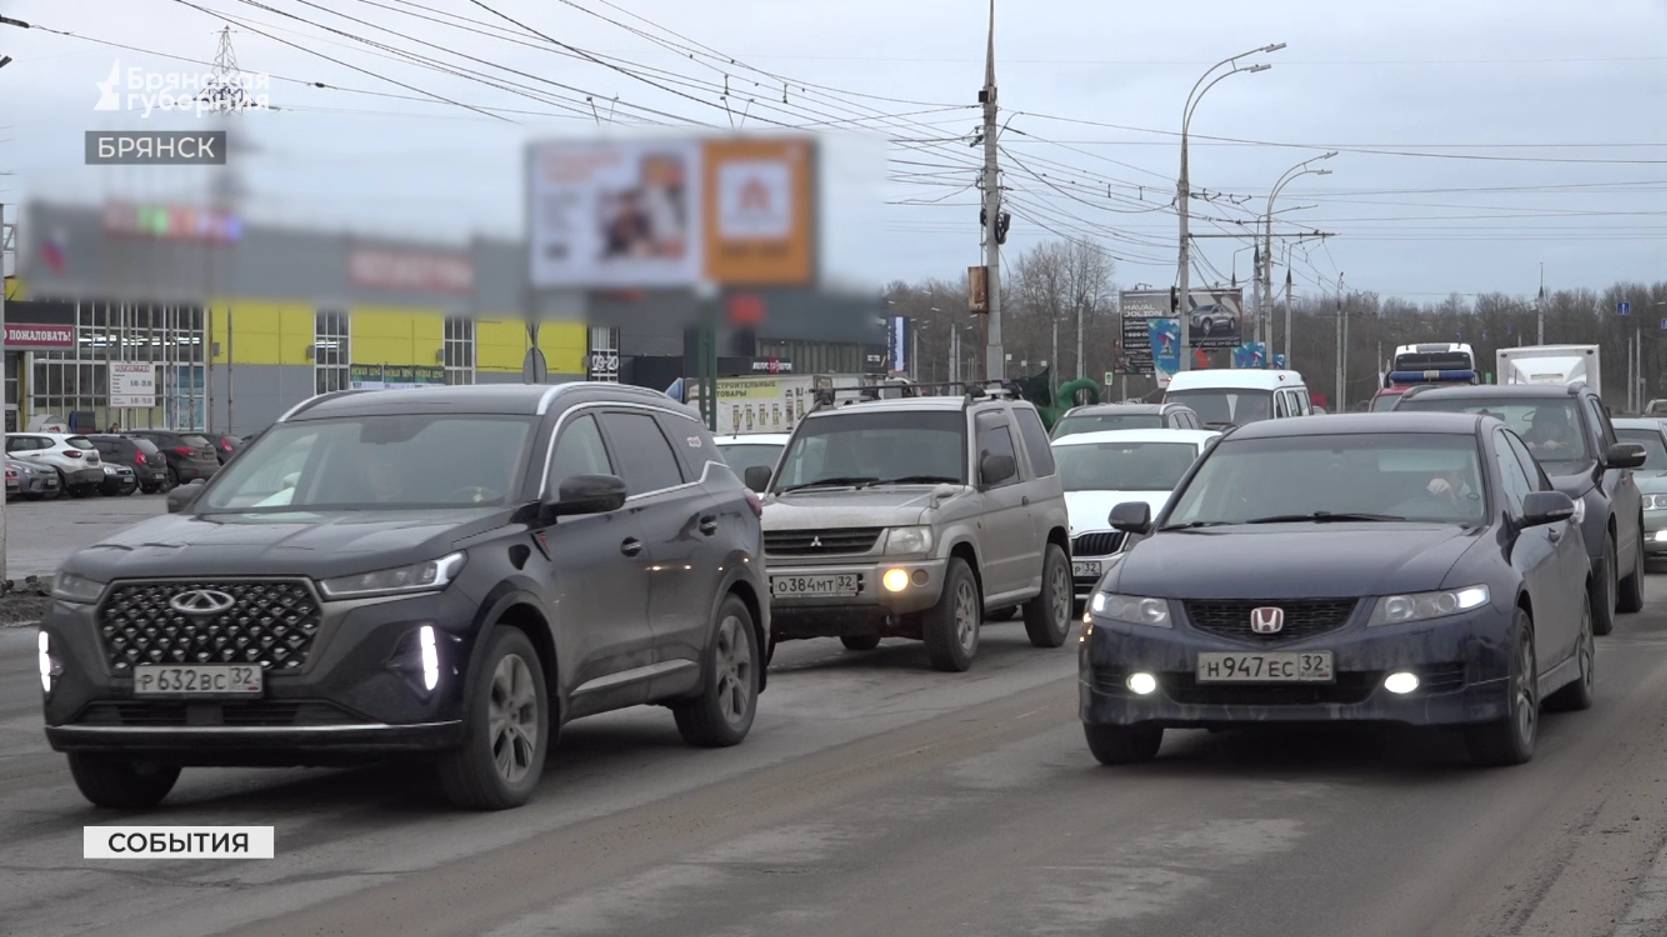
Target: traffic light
[(1174, 301)]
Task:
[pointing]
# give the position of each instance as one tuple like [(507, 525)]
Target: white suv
[(74, 457)]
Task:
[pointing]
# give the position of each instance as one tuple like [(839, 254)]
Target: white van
[(1233, 397)]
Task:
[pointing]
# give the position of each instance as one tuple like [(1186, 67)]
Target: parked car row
[(50, 465)]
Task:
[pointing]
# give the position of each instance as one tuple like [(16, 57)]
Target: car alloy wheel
[(967, 616), (734, 671), (1525, 694), (512, 719)]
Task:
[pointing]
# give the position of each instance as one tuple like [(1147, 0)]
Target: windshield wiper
[(1193, 525), (838, 481), (917, 480), (1323, 517)]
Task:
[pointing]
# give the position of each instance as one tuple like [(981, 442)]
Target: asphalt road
[(877, 797), (40, 534)]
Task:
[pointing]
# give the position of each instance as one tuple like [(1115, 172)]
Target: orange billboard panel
[(759, 207)]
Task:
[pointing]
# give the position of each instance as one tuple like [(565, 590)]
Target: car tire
[(1048, 616), (1123, 745), (1510, 741), (1582, 692), (950, 628), (121, 783), (723, 712), (173, 480), (506, 730), (1632, 587), (860, 642), (1603, 613)]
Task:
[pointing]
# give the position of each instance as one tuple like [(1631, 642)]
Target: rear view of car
[(188, 456), (150, 469), (72, 458)]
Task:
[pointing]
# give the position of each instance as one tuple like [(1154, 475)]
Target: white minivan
[(1234, 397)]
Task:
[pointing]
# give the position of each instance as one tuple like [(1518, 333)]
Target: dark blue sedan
[(1394, 568)]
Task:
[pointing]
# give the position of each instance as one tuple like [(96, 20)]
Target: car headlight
[(1134, 609), (109, 469), (1419, 606), (428, 576), (73, 588), (1655, 502), (1579, 516), (909, 540)]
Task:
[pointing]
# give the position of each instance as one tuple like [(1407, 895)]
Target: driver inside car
[(1549, 431)]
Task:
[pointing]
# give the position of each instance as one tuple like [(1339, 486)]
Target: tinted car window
[(1655, 450), (371, 463), (1600, 419), (646, 460), (1549, 426), (79, 442), (1233, 406), (1511, 473), (1124, 466), (197, 442), (995, 439), (1036, 442), (877, 446), (579, 451), (1536, 474), (1392, 475)]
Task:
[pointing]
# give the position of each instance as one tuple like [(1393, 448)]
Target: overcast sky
[(1567, 102)]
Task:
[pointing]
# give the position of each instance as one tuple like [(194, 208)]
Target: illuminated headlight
[(1134, 609), (72, 588), (431, 657), (1141, 684), (430, 576), (1655, 502), (109, 469), (1395, 609), (909, 540), (1579, 516), (1661, 536), (49, 667), (1401, 682)]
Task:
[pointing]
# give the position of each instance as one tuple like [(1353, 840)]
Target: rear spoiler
[(1430, 377)]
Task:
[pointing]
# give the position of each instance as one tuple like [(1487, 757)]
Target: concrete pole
[(995, 360), (20, 426)]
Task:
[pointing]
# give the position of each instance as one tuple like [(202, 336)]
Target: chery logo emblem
[(1267, 620), (201, 602)]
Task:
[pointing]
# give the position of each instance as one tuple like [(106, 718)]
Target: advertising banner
[(757, 211), (132, 384), (760, 404), (897, 344), (614, 213), (394, 376), (1217, 318), (30, 336)]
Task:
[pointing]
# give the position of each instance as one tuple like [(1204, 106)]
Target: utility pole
[(1053, 372), (995, 361), (1288, 363), (1539, 308), (1337, 405), (1264, 285), (1079, 339), (7, 234)]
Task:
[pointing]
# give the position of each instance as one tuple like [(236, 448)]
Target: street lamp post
[(1264, 284), (1183, 185)]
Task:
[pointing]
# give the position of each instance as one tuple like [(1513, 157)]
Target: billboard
[(897, 344), (758, 211), (612, 214), (1150, 330), (132, 384), (394, 377)]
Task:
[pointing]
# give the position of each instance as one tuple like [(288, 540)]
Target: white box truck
[(1550, 364)]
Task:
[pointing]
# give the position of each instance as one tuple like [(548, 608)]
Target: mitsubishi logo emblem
[(1267, 620), (201, 603), (816, 542)]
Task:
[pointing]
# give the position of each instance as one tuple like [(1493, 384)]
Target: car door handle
[(1025, 500), (709, 525), (631, 547)]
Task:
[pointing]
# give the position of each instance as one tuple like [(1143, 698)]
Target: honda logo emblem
[(201, 603), (1267, 620)]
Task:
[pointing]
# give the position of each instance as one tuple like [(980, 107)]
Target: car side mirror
[(757, 477), (1546, 507), (588, 494), (1624, 455), (1132, 517), (182, 497), (995, 469)]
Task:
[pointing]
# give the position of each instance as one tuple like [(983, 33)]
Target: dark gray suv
[(451, 572)]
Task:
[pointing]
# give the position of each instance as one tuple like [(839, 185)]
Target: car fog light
[(431, 657), (46, 663), (1401, 682), (895, 580), (1661, 536), (1142, 684), (919, 577)]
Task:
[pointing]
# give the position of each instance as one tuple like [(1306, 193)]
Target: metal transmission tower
[(228, 94)]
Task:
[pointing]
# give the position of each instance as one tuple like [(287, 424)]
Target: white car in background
[(73, 456), (1103, 469), (750, 449)]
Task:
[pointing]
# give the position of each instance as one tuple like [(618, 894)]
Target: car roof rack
[(970, 392)]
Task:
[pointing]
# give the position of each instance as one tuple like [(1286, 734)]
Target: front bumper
[(1462, 661), (360, 692), (39, 484), (90, 477), (190, 471), (1655, 533), (872, 610)]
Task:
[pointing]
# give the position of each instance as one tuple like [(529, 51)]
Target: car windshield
[(1655, 449), (1093, 422), (1550, 426), (742, 456), (1123, 466), (1228, 405), (1415, 477), (876, 447), (377, 463)]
